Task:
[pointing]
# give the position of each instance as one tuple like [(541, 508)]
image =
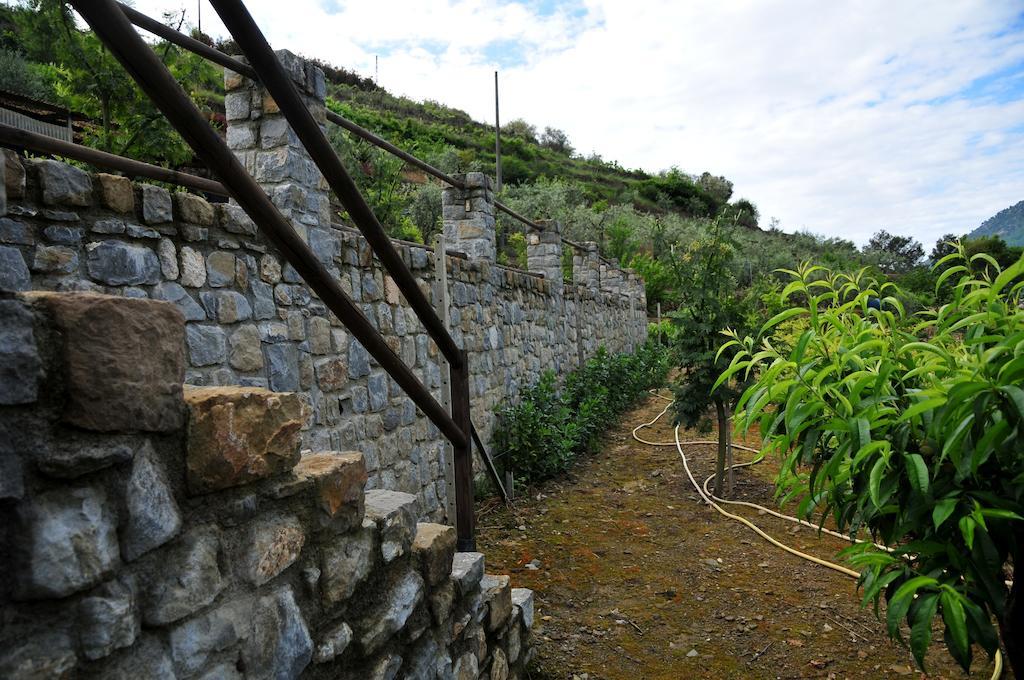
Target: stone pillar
[(586, 265), (544, 252), (468, 216), (269, 149)]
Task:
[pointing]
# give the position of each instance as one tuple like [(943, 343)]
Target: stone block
[(15, 233), (381, 623), (331, 374), (272, 545), (116, 263), (13, 175), (246, 349), (55, 260), (109, 227), (116, 193), (279, 645), (522, 598), (467, 667), (68, 542), (467, 570), (172, 292), (108, 619), (20, 365), (68, 236), (153, 515), (333, 643), (235, 220), (238, 435), (189, 578), (232, 306), (14, 274), (64, 184), (237, 105), (263, 306), (338, 480), (395, 514), (194, 209), (345, 562), (193, 268), (434, 548), (123, 360), (441, 602), (195, 641), (283, 366), (206, 345), (156, 205), (49, 654), (67, 459), (270, 269), (497, 594), (138, 231), (147, 659), (220, 269)]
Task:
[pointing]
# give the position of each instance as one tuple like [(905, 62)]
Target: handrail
[(12, 136), (113, 28)]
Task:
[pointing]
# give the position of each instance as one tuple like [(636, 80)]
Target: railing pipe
[(113, 28), (189, 43), (280, 86), (11, 136)]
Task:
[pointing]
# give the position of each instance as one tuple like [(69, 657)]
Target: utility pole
[(497, 139), (199, 14), (376, 70)]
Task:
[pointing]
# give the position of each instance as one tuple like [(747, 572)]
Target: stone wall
[(153, 531), (252, 322)]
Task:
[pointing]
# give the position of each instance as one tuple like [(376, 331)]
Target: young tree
[(910, 427), (894, 254), (556, 140)]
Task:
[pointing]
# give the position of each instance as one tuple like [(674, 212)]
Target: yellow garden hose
[(715, 502)]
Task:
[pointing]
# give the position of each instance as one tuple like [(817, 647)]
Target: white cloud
[(841, 118)]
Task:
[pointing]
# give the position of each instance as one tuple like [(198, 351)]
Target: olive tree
[(913, 429)]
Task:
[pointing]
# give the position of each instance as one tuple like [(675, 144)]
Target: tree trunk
[(723, 439), (1011, 627), (731, 478)]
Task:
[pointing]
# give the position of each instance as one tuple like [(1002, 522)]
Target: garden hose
[(715, 501)]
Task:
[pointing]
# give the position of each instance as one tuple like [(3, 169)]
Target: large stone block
[(434, 547), (156, 204), (207, 345), (195, 209), (497, 594), (117, 193), (189, 578), (118, 264), (123, 360), (63, 184), (522, 598), (345, 563), (153, 515), (196, 640), (19, 357), (279, 646), (68, 542), (394, 611), (338, 480), (467, 570), (13, 175), (395, 514), (237, 435), (272, 545), (14, 274)]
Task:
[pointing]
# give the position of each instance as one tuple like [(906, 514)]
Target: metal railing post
[(465, 515)]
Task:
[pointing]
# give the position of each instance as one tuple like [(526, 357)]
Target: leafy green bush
[(540, 435), (913, 428)]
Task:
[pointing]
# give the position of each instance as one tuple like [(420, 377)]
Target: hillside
[(1008, 224)]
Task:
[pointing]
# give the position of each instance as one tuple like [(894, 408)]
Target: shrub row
[(540, 435)]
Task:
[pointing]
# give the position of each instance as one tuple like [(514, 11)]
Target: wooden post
[(441, 306), (660, 339), (465, 515), (497, 140)]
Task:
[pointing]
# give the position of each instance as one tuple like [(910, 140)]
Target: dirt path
[(636, 578)]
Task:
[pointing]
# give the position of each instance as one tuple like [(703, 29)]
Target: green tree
[(894, 254), (911, 428)]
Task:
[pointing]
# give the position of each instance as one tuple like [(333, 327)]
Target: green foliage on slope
[(1007, 224)]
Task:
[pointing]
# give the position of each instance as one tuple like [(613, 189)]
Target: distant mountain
[(1008, 224)]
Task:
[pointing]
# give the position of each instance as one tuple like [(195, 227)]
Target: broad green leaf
[(956, 622), (917, 472), (942, 510), (921, 615)]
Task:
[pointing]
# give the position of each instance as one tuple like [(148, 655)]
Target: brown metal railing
[(110, 22)]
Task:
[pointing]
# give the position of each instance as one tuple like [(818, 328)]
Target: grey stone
[(377, 386), (172, 292), (280, 646), (283, 370), (441, 602), (345, 562), (153, 516), (116, 264), (499, 665), (67, 460), (49, 654), (69, 542), (272, 545), (390, 617), (467, 570), (194, 209), (395, 514), (360, 399), (246, 352), (147, 659), (467, 667), (14, 233), (232, 306), (234, 219), (270, 269), (64, 184), (108, 619), (497, 593), (333, 642), (523, 599), (138, 231), (55, 260), (236, 105), (156, 204), (66, 236), (188, 580), (325, 245), (168, 255), (220, 268), (263, 306), (421, 661), (14, 274), (109, 227), (206, 345), (193, 642)]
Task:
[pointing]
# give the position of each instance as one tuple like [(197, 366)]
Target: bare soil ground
[(636, 578)]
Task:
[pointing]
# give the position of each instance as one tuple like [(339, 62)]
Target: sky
[(841, 118)]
